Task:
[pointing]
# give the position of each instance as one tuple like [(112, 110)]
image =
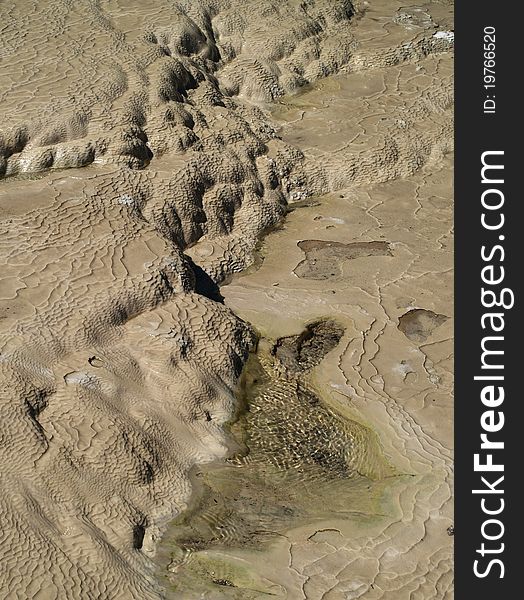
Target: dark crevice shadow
[(204, 285)]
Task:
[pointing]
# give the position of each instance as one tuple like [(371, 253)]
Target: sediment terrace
[(140, 166)]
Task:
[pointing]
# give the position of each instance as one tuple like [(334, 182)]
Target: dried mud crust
[(139, 168)]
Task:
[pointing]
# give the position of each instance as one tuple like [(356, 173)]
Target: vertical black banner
[(488, 259)]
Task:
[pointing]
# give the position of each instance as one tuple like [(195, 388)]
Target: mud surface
[(375, 256), (145, 150)]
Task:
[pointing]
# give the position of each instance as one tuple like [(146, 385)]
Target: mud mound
[(133, 183)]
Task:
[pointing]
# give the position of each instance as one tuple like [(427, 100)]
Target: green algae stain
[(297, 462)]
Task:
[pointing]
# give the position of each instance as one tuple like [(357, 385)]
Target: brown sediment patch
[(304, 351), (418, 324), (324, 259)]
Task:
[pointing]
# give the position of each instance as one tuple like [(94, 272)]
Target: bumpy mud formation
[(139, 165)]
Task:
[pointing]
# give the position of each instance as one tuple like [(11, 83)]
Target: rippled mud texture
[(139, 164)]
